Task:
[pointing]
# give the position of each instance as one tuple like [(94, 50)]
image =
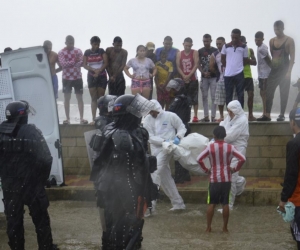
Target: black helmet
[(16, 113), (121, 104), (136, 105), (103, 104), (176, 84), (16, 110)]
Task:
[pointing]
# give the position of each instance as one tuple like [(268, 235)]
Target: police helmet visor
[(140, 106)]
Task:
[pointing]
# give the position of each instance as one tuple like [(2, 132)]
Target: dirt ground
[(76, 226)]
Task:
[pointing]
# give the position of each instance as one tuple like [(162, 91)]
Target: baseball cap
[(150, 46)]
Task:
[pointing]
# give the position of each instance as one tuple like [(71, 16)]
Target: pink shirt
[(71, 63), (220, 155)]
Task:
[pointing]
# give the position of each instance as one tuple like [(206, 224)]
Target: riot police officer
[(105, 106), (121, 174), (25, 164)]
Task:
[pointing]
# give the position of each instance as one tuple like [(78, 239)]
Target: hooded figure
[(237, 134), (164, 126)]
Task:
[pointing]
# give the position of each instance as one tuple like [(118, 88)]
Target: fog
[(29, 23)]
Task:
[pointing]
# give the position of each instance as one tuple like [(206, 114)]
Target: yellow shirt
[(163, 70)]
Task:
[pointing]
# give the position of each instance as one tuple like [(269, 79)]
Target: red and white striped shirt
[(71, 62), (220, 155)]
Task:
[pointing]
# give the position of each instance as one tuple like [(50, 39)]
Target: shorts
[(262, 83), (163, 95), (55, 85), (248, 84), (98, 82), (140, 84), (118, 86), (69, 84), (192, 89), (218, 192), (220, 96)]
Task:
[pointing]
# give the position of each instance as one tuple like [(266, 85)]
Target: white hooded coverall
[(237, 134), (166, 126)]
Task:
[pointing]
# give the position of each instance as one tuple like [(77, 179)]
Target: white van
[(25, 75)]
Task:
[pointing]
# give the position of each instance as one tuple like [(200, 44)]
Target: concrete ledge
[(251, 197)]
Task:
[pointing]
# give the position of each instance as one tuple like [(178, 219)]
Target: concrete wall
[(265, 152), (266, 147)]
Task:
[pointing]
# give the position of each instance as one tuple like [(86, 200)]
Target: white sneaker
[(221, 209), (151, 211), (148, 213), (176, 208)]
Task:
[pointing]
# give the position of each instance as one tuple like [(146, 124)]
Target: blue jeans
[(236, 82)]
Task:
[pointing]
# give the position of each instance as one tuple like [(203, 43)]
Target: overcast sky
[(28, 23)]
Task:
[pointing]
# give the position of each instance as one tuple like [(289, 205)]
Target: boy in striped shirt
[(220, 155)]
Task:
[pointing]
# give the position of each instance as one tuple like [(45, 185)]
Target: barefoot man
[(53, 60)]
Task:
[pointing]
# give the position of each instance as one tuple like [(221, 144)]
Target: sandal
[(83, 122), (205, 119), (66, 122), (92, 123)]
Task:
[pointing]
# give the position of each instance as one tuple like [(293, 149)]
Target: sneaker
[(148, 212), (205, 119), (177, 208), (195, 119), (263, 119), (280, 118)]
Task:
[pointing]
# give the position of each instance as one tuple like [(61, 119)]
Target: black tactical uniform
[(25, 164), (121, 175), (105, 115), (181, 106)]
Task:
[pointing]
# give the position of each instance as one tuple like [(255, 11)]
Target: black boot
[(186, 175), (177, 177)]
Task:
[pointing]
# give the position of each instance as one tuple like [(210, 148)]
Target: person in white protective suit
[(237, 134), (164, 126)]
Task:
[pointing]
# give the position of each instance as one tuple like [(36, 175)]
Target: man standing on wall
[(248, 80), (117, 57), (234, 57), (263, 67), (53, 60), (187, 62), (282, 49), (208, 78), (71, 59)]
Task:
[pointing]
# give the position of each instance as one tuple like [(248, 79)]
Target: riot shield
[(1, 197), (88, 137)]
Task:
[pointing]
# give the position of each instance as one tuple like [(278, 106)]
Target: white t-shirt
[(263, 68), (141, 69), (234, 58)]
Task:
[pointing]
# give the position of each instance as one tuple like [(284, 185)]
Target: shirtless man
[(117, 57), (282, 49), (53, 59)]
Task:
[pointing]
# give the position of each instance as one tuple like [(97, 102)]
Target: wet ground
[(76, 226)]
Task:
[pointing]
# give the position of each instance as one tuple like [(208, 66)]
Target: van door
[(6, 96), (32, 82), (6, 92)]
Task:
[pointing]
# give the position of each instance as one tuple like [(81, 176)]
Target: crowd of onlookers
[(225, 72)]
